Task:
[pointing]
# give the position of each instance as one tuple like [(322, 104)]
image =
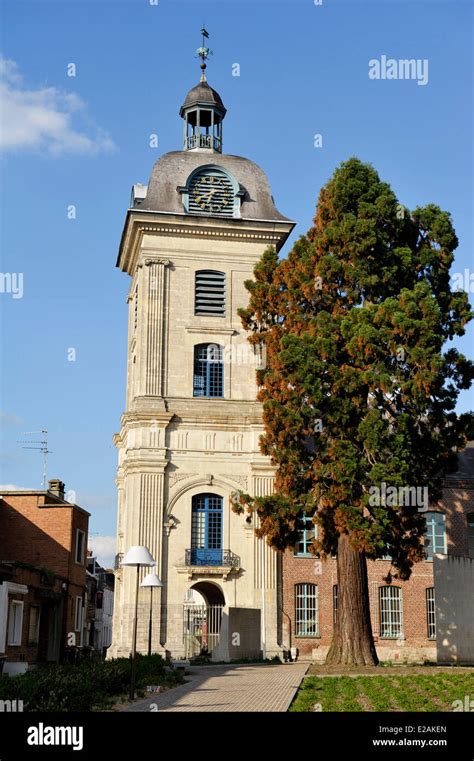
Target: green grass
[(430, 692)]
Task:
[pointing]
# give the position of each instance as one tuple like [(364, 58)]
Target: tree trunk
[(352, 641)]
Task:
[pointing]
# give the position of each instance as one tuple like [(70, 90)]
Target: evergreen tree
[(357, 392)]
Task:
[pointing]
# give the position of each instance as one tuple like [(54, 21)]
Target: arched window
[(391, 614), (470, 533), (209, 293), (306, 610), (206, 530), (208, 371), (435, 534)]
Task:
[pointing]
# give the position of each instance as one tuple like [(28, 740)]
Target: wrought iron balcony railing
[(202, 141), (221, 558)]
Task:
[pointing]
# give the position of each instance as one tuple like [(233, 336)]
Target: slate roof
[(202, 94), (173, 169)]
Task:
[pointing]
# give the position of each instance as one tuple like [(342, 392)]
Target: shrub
[(91, 684)]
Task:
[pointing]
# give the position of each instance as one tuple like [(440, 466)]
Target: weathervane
[(204, 52)]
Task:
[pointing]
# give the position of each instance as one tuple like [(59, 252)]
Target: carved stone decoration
[(241, 480), (148, 262), (175, 477), (164, 262)]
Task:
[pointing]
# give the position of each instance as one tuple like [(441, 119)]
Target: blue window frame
[(307, 531), (206, 530), (208, 371), (435, 534), (306, 610)]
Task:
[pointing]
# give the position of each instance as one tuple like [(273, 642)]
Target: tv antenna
[(43, 447)]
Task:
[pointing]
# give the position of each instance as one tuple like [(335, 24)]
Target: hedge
[(87, 686)]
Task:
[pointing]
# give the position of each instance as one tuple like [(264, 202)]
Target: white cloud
[(104, 548), (8, 418), (46, 119), (10, 487)]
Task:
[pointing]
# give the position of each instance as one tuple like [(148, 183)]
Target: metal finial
[(204, 53)]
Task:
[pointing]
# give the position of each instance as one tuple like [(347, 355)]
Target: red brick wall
[(43, 536), (458, 500)]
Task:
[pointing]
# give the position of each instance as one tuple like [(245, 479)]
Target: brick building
[(43, 542), (100, 584), (404, 613)]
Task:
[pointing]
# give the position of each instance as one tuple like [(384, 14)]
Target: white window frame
[(391, 612), (306, 610), (76, 547), (78, 618), (431, 612), (14, 632)]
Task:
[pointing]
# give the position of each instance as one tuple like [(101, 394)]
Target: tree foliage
[(357, 390)]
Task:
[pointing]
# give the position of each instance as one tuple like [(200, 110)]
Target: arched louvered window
[(209, 293), (208, 371)]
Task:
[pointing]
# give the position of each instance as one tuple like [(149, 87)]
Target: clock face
[(211, 192)]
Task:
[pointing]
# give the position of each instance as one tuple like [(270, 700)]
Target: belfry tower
[(190, 431)]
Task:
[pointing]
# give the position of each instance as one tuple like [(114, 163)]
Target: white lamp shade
[(151, 580), (138, 556)]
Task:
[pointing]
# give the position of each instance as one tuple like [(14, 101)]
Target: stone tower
[(189, 434)]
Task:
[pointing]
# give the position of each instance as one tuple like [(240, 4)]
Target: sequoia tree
[(358, 394)]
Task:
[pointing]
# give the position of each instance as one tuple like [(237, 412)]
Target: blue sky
[(84, 140)]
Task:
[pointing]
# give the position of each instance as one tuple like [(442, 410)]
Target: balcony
[(200, 562), (202, 141)]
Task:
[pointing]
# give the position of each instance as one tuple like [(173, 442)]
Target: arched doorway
[(202, 615)]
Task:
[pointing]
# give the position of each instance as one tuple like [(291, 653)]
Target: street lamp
[(136, 556), (151, 580)]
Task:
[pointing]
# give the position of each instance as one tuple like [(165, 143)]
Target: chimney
[(56, 487)]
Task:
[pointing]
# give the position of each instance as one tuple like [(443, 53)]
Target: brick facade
[(38, 567), (414, 644)]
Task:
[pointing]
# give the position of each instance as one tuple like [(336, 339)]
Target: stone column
[(152, 320)]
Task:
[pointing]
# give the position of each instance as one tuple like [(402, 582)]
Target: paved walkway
[(231, 688)]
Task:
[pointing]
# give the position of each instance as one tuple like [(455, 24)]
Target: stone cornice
[(138, 224), (210, 329)]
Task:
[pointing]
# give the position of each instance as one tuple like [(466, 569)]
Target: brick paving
[(251, 688)]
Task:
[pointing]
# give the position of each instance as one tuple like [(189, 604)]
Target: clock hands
[(211, 194)]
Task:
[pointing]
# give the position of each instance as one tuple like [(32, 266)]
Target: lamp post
[(136, 556), (151, 580)]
